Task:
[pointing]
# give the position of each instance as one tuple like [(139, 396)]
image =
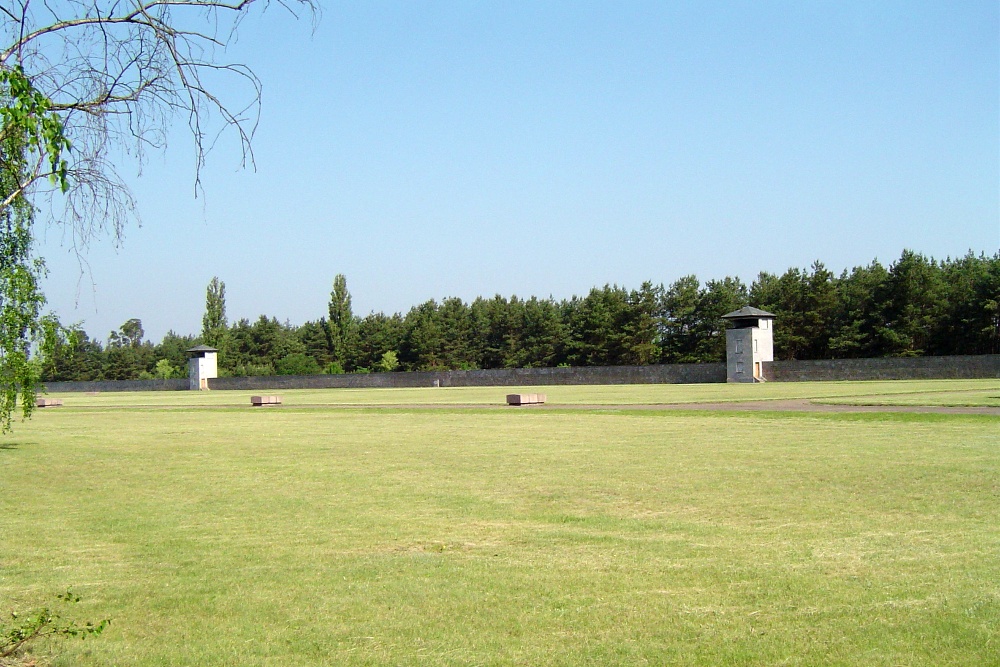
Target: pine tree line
[(917, 306)]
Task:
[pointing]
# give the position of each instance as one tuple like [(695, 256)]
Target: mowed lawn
[(896, 392), (226, 535)]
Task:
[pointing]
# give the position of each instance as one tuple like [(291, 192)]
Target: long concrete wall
[(903, 368), (505, 377), (119, 385), (886, 368)]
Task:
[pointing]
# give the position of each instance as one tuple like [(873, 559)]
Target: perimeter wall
[(120, 385), (885, 368), (896, 368), (501, 377)]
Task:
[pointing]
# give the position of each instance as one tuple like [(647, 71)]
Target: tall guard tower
[(749, 343), (202, 365)]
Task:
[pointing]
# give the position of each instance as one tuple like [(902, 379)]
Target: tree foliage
[(915, 306), (90, 79), (214, 324), (341, 325), (21, 324), (29, 133), (82, 83)]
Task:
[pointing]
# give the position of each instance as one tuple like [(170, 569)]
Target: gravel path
[(786, 405), (805, 405)]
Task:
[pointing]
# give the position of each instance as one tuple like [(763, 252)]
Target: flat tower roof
[(748, 311)]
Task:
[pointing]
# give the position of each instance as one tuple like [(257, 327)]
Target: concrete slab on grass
[(257, 401), (525, 399)]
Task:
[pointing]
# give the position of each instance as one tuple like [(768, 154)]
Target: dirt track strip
[(788, 405), (805, 405)]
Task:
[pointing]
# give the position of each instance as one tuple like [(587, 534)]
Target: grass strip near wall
[(939, 392), (970, 397), (385, 537)]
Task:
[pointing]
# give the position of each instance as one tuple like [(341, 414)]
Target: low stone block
[(48, 402), (265, 400), (525, 399)]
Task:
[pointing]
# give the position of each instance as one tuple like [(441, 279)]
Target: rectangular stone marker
[(265, 400), (48, 402), (525, 399)]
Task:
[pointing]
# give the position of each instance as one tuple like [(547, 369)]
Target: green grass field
[(213, 533), (901, 392)]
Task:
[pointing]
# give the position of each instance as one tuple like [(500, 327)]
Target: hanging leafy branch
[(84, 83), (36, 132), (109, 77), (31, 136)]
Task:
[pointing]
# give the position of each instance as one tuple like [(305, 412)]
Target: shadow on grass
[(10, 445)]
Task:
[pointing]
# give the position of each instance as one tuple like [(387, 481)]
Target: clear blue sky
[(431, 149)]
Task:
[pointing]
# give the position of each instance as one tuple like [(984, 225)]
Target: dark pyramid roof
[(202, 348), (748, 311)]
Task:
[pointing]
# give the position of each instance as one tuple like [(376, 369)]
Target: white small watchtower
[(202, 365), (749, 343)]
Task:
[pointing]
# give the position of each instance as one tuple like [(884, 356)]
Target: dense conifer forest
[(916, 306)]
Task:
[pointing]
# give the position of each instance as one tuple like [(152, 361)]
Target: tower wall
[(739, 356), (201, 368), (747, 348)]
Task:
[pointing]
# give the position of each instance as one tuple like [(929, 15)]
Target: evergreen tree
[(173, 348), (642, 327), (914, 305), (297, 363), (315, 338), (422, 344), (256, 349), (598, 335), (378, 334), (860, 313), (719, 298), (805, 304), (543, 335), (694, 331), (497, 325), (917, 306), (971, 321), (127, 357), (74, 357), (457, 351), (681, 321)]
